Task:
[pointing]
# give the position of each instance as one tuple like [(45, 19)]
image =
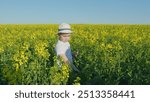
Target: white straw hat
[(64, 28)]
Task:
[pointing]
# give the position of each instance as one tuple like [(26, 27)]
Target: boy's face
[(64, 37)]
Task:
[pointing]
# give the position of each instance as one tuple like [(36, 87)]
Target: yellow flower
[(25, 46), (1, 50), (109, 46), (20, 62), (16, 66)]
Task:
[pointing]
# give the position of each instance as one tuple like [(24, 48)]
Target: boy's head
[(64, 32)]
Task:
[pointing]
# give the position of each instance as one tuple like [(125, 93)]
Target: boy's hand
[(63, 56), (65, 59), (75, 54)]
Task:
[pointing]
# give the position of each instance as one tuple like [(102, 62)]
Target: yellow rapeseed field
[(108, 54)]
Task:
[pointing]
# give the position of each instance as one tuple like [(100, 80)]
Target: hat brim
[(65, 31)]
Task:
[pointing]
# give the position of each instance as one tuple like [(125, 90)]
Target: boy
[(63, 47)]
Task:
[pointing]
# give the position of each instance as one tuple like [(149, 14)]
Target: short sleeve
[(60, 49)]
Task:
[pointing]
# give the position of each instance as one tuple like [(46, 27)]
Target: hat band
[(63, 29)]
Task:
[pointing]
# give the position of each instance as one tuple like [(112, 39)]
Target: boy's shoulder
[(62, 46), (59, 43)]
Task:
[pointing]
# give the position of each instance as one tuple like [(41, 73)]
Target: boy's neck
[(63, 41)]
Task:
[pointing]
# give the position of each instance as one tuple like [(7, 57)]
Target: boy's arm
[(65, 59)]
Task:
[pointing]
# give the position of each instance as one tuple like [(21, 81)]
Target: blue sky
[(75, 11)]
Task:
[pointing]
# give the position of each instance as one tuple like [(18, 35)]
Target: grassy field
[(108, 54)]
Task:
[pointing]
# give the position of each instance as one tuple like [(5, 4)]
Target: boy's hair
[(62, 33), (59, 34)]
